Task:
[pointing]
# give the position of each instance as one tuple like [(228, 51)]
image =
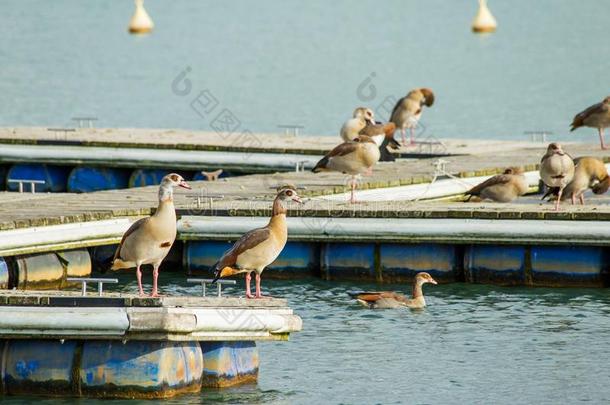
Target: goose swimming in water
[(391, 299)]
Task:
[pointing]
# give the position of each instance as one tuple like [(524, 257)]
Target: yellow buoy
[(484, 20), (140, 23)]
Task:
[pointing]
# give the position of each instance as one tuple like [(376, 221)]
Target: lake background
[(301, 62)]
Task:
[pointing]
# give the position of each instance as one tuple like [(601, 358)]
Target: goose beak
[(433, 281), (184, 184), (297, 199)]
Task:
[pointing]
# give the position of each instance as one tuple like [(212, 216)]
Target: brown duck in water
[(391, 299)]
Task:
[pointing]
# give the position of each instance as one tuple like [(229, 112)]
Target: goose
[(595, 116), (352, 127), (148, 240), (212, 176), (590, 173), (259, 247), (505, 187), (408, 111), (354, 158), (556, 169), (374, 129), (390, 299)]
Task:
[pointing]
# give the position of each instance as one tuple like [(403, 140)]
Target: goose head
[(174, 180), (424, 278), (166, 189), (288, 193), (554, 148), (366, 114), (428, 99)]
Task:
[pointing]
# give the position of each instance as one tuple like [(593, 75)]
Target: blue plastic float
[(55, 177), (85, 179)]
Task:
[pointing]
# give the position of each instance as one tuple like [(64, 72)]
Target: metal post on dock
[(540, 133), (199, 198), (60, 130), (300, 166), (204, 281), (31, 182), (291, 129), (100, 283), (81, 120)]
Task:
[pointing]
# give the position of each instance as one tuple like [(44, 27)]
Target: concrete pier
[(124, 346)]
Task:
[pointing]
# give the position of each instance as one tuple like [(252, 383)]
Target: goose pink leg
[(558, 199), (259, 293), (155, 293), (404, 137), (352, 198), (248, 279), (139, 277)]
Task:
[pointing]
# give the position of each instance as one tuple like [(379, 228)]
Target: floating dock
[(124, 346), (410, 219), (400, 208)]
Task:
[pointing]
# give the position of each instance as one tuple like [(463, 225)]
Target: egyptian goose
[(353, 158), (590, 173), (374, 129), (212, 176), (390, 299), (148, 240), (352, 127), (596, 116), (556, 169), (504, 187), (408, 110), (259, 247)]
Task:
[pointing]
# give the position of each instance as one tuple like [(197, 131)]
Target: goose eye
[(289, 193)]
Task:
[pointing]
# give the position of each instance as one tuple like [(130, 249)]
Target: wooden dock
[(252, 195), (190, 140)]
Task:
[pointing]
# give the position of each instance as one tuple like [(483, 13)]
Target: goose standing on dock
[(504, 187), (259, 247), (590, 173), (391, 299), (408, 111), (596, 116), (354, 158), (361, 117), (374, 129), (556, 169), (148, 240)]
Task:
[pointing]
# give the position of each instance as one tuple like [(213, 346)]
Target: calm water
[(472, 344), (286, 61)]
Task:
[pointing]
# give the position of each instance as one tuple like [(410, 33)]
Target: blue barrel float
[(401, 262), (84, 179), (49, 270), (55, 177), (229, 363), (130, 369), (298, 259), (495, 264), (152, 177), (100, 368)]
